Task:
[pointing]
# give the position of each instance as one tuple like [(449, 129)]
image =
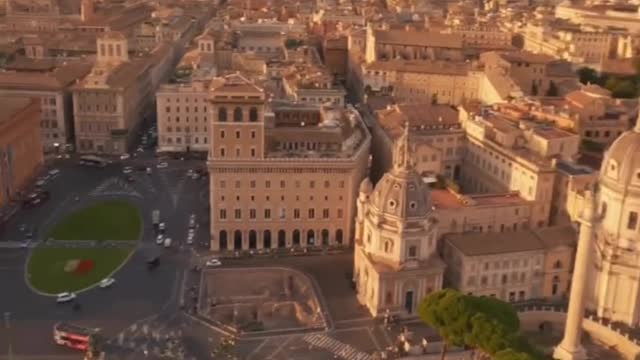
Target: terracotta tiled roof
[(419, 38)]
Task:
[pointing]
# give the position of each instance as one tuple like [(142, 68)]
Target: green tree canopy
[(588, 75)]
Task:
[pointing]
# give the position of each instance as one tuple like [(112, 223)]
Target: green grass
[(46, 267), (109, 220)]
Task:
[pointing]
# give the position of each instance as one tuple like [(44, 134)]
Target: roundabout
[(84, 247)]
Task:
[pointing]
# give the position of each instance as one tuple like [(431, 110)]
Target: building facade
[(282, 175), (396, 263), (20, 144)]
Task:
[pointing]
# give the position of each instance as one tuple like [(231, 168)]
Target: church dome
[(401, 192), (621, 165)]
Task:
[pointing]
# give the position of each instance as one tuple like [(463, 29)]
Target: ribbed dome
[(404, 196), (621, 165)]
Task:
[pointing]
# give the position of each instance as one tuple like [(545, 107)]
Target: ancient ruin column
[(571, 348)]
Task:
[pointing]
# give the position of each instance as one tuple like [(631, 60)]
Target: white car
[(190, 239), (41, 183), (140, 149), (125, 156), (162, 226), (54, 172), (162, 165), (148, 171), (159, 239), (127, 170), (65, 297), (213, 263), (167, 242), (192, 232), (105, 283)]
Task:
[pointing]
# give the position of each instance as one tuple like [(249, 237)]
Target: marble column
[(571, 348)]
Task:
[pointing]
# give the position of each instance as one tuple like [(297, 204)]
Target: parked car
[(127, 170), (148, 171), (192, 221), (162, 165), (54, 172), (159, 239), (213, 263), (125, 156), (105, 283), (167, 242), (152, 262), (190, 239), (65, 297)]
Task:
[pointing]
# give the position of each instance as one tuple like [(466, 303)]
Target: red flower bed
[(84, 267)]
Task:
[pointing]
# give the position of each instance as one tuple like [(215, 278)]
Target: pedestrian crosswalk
[(339, 349), (114, 187)]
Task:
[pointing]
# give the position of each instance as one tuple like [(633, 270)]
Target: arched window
[(253, 114), (387, 246), (311, 237), (296, 237), (237, 240), (282, 237), (253, 239), (237, 114), (388, 299), (222, 114), (603, 210), (325, 237)]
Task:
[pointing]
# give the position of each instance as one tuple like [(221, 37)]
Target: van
[(167, 242)]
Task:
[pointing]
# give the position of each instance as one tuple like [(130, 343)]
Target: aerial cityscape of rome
[(319, 179)]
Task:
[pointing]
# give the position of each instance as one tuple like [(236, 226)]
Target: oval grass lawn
[(109, 220), (56, 270)]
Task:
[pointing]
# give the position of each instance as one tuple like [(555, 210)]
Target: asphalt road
[(127, 302)]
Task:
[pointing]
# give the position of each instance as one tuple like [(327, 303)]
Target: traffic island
[(85, 247), (55, 270), (114, 220)]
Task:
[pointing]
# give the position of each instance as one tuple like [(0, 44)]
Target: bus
[(73, 336), (90, 160)]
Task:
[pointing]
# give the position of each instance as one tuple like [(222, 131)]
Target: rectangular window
[(312, 184), (312, 213), (223, 184), (325, 213), (253, 184), (237, 184), (221, 152), (339, 213), (632, 223), (413, 251), (223, 214), (222, 134), (267, 213), (252, 213), (282, 184), (283, 213), (237, 134), (253, 152), (267, 184), (238, 214), (296, 213), (253, 134)]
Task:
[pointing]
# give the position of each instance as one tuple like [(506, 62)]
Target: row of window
[(186, 109), (504, 279), (237, 114), (282, 198), (178, 140), (238, 133), (223, 152), (283, 184), (186, 129), (267, 215)]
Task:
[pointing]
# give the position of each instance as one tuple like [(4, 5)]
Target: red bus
[(73, 336)]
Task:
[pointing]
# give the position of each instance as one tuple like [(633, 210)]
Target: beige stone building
[(396, 258), (571, 183), (20, 145), (437, 139), (504, 155), (516, 266), (53, 88), (282, 174), (110, 102)]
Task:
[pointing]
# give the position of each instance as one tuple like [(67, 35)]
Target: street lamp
[(7, 324)]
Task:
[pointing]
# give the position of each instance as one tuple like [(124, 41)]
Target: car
[(213, 263), (41, 183), (162, 165), (167, 242), (140, 149), (189, 240), (125, 156), (190, 172), (127, 170), (192, 231), (23, 227), (25, 244), (105, 283), (162, 226), (148, 171), (192, 223), (152, 262), (29, 234), (160, 239), (65, 297), (54, 172), (195, 176)]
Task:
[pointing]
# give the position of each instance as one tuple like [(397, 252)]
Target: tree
[(484, 323), (511, 354), (588, 75), (624, 89), (553, 89)]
